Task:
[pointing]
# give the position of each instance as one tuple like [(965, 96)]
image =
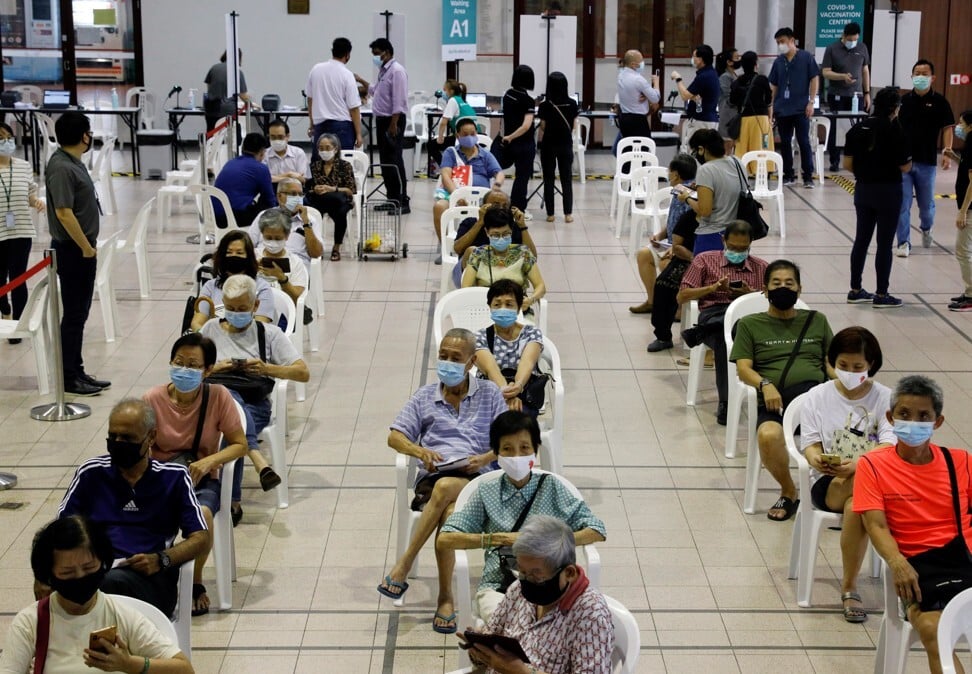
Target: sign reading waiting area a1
[(833, 16), (458, 30)]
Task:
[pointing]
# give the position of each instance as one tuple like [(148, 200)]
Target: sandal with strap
[(787, 505), (853, 614), (198, 590), (335, 255)]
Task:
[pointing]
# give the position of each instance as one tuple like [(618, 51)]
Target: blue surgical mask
[(913, 433), (238, 319), (851, 44), (736, 257), (501, 243), (468, 141), (921, 82), (641, 67), (376, 60), (960, 132), (185, 379), (451, 374), (503, 317), (8, 147), (293, 201)]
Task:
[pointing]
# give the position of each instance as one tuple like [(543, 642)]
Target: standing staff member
[(635, 95), (72, 214), (846, 64), (333, 103), (702, 95), (390, 106), (963, 240), (793, 81)]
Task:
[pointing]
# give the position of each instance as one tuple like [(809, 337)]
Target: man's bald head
[(633, 58)]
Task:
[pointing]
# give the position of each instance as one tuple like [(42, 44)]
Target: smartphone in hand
[(109, 634)]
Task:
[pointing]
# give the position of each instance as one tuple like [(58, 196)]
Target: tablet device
[(508, 644)]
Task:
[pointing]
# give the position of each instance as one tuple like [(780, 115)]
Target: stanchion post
[(59, 410)]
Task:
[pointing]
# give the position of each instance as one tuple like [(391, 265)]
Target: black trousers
[(77, 276), (634, 124), (436, 150), (877, 206), (13, 263), (336, 205), (665, 303), (390, 152), (712, 319), (522, 154), (161, 589), (552, 158)]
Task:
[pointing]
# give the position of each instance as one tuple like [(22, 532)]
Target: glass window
[(636, 21), (31, 51)]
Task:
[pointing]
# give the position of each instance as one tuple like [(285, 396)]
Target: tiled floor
[(706, 583)]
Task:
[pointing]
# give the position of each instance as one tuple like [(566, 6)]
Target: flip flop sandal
[(393, 583), (853, 614), (335, 255), (198, 590), (786, 504), (444, 629)]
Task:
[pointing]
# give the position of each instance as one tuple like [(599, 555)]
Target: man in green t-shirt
[(781, 353)]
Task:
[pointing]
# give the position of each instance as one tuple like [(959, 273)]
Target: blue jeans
[(788, 125), (257, 418), (706, 242), (343, 130), (920, 180)]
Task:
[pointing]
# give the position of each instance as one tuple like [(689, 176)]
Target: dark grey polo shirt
[(70, 186), (840, 59)]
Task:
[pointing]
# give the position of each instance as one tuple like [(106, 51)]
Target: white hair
[(238, 286)]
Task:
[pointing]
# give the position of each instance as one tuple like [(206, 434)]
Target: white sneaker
[(903, 250), (527, 216)]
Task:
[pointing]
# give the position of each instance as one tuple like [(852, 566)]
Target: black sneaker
[(859, 296), (722, 414), (88, 379), (808, 184), (886, 302), (406, 208), (659, 345), (79, 387), (957, 298), (963, 304)]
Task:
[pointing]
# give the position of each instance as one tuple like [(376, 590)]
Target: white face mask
[(850, 44), (851, 380), (517, 467), (278, 145), (273, 246), (7, 147), (327, 155), (783, 47)]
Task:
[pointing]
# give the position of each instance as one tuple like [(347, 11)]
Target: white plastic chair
[(624, 187), (897, 635), (182, 618), (359, 163), (450, 220), (472, 195), (417, 113), (285, 306), (762, 190), (315, 292), (818, 146), (552, 420), (809, 521), (955, 623), (627, 637), (144, 100), (101, 174), (591, 558), (135, 242), (154, 615), (105, 286), (276, 430), (224, 544), (48, 146), (204, 195), (696, 355), (33, 325), (484, 142), (582, 136), (172, 192), (484, 125), (646, 188), (215, 147)]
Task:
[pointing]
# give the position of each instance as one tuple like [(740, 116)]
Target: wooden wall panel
[(959, 59)]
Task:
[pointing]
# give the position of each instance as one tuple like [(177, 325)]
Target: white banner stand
[(548, 46)]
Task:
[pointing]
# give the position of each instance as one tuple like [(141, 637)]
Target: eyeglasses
[(191, 365), (519, 575)]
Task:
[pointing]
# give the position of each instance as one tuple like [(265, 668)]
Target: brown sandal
[(335, 255)]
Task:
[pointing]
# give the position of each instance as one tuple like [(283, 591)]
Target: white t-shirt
[(451, 109), (826, 410), (296, 242), (69, 636), (297, 274), (333, 91), (246, 344)]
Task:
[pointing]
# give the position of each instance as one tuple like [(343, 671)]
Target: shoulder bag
[(734, 127), (796, 350), (43, 636), (853, 440), (252, 388), (748, 208), (506, 557), (945, 571), (185, 457), (535, 390)]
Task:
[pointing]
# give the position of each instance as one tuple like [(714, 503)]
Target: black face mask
[(233, 264), (545, 593), (699, 157), (125, 454), (782, 298), (79, 590)]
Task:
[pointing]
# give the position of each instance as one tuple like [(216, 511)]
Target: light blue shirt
[(631, 87)]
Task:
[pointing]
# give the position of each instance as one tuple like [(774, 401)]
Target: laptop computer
[(57, 98), (576, 97), (477, 102)]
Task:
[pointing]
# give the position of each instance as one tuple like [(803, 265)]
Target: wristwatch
[(678, 79), (164, 561), (285, 280), (764, 382)]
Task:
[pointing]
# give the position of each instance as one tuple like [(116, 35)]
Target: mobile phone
[(109, 634), (239, 362), (282, 262), (735, 284), (657, 72), (832, 460)]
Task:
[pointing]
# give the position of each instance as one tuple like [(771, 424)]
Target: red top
[(916, 500), (712, 265)]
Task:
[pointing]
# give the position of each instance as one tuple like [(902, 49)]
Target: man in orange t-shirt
[(905, 494)]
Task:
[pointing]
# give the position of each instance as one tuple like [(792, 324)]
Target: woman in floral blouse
[(502, 259), (331, 187)]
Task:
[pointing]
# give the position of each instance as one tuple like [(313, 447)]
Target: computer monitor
[(477, 101), (56, 98), (576, 97), (816, 102)]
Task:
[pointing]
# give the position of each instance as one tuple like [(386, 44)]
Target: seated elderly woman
[(507, 352), (495, 512), (781, 353), (72, 555), (331, 187), (192, 417), (476, 166), (250, 356), (563, 624), (277, 266), (471, 234), (502, 259), (842, 419), (234, 255), (914, 497)]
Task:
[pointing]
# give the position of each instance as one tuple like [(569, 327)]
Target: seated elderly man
[(285, 160), (304, 241), (446, 427), (914, 498), (250, 356), (277, 266), (471, 232), (246, 182), (562, 623), (143, 504), (715, 278), (477, 166)]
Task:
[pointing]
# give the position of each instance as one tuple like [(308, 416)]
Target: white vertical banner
[(559, 54), (394, 25), (232, 57)]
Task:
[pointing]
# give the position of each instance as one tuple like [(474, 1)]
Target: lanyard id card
[(786, 93), (10, 220)]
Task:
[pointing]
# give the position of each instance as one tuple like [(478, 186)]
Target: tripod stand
[(538, 189)]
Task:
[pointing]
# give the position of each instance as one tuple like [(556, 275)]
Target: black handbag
[(498, 150), (734, 127), (748, 208), (535, 390), (252, 388), (507, 559), (945, 571)]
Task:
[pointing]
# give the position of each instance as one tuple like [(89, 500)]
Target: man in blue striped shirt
[(445, 426)]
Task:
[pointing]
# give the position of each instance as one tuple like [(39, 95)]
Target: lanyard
[(7, 190)]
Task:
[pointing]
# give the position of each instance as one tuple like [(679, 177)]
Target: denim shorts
[(207, 493)]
